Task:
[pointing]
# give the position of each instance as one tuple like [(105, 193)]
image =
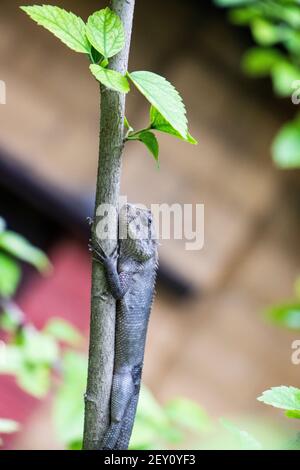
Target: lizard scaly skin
[(131, 280)]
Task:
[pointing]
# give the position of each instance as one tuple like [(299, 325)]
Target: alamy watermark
[(295, 356), (171, 221), (2, 92)]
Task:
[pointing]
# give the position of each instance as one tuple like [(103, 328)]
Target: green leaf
[(63, 331), (69, 404), (149, 139), (19, 247), (287, 315), (258, 61), (286, 398), (286, 146), (12, 362), (38, 348), (266, 33), (294, 414), (127, 125), (233, 3), (284, 74), (246, 440), (8, 426), (69, 28), (164, 97), (105, 32), (159, 123), (110, 78), (10, 274), (187, 414)]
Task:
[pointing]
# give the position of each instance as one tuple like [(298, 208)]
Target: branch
[(103, 307)]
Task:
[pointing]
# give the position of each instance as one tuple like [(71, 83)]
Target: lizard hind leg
[(122, 391)]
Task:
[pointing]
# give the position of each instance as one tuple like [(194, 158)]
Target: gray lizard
[(131, 278)]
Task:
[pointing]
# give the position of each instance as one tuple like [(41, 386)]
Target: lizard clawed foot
[(90, 221), (100, 255)]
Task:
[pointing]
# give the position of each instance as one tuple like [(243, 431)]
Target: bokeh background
[(208, 340)]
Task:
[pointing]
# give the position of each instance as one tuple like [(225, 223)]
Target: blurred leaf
[(286, 146), (69, 28), (246, 440), (8, 426), (295, 414), (286, 398), (68, 407), (11, 317), (11, 362), (159, 123), (164, 97), (105, 32), (284, 74), (39, 348), (2, 225), (233, 3), (110, 78), (34, 380), (63, 331), (258, 61), (285, 315), (187, 414), (243, 15), (266, 33), (19, 247), (10, 275)]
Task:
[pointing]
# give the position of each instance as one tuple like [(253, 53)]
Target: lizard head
[(140, 240)]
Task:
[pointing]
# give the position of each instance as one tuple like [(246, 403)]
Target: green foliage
[(111, 79), (9, 276), (164, 97), (245, 439), (286, 146), (105, 32), (63, 331), (286, 315), (149, 139), (259, 61), (19, 247), (102, 38), (69, 28), (286, 398)]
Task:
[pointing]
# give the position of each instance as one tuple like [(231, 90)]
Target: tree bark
[(103, 306)]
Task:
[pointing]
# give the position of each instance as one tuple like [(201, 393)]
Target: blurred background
[(208, 339)]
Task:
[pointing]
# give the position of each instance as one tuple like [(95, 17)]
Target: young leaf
[(105, 32), (286, 398), (19, 247), (286, 146), (259, 61), (110, 78), (287, 315), (149, 139), (159, 123), (10, 274), (62, 331), (164, 97), (69, 28)]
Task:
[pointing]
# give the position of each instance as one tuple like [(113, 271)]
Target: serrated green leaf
[(164, 97), (19, 247), (294, 414), (61, 330), (287, 315), (286, 398), (258, 61), (105, 32), (159, 123), (286, 146), (8, 426), (110, 78), (149, 139), (10, 274), (69, 28)]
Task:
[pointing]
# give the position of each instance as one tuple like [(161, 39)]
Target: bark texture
[(103, 306)]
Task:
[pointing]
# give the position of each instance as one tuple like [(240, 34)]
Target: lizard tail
[(127, 424)]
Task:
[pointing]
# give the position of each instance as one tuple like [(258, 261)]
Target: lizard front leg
[(118, 282)]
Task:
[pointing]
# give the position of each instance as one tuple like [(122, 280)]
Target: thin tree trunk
[(103, 307)]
